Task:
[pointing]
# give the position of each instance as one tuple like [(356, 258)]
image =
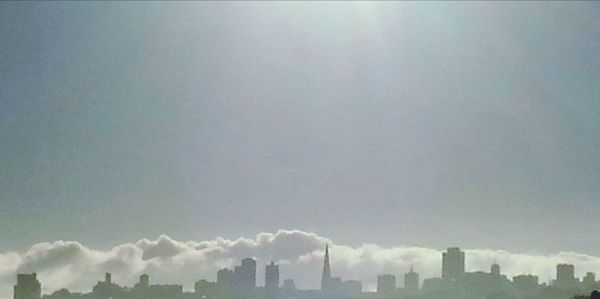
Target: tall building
[(143, 283), (453, 263), (565, 276), (350, 288), (326, 275), (245, 275), (225, 278), (495, 270), (589, 281), (272, 276), (526, 286), (411, 281), (386, 284), (27, 287)]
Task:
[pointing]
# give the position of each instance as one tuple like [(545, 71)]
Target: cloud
[(69, 264)]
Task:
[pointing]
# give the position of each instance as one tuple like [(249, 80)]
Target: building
[(411, 282), (27, 287), (453, 263), (495, 270), (525, 281), (245, 274), (205, 289), (107, 289), (272, 276), (171, 291), (589, 281), (351, 287), (386, 284), (565, 276), (326, 284), (335, 285), (143, 283), (225, 278), (526, 285)]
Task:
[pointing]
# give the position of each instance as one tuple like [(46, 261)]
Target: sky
[(403, 125)]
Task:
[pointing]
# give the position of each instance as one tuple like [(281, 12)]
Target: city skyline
[(241, 282), (299, 256), (346, 142)]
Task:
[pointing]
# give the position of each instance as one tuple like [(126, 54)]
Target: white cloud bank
[(69, 264)]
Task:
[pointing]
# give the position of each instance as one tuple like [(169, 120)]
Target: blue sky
[(427, 124)]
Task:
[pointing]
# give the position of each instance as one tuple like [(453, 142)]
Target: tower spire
[(326, 276)]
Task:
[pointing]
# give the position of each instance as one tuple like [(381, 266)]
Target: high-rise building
[(565, 276), (453, 263), (411, 281), (351, 288), (245, 275), (495, 270), (326, 275), (272, 276), (144, 280), (386, 283), (27, 287), (526, 286), (589, 281), (225, 278)]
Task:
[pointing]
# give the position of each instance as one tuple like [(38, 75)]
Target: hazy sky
[(425, 124)]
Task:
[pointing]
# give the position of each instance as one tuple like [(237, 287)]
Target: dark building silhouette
[(589, 281), (411, 282), (245, 275), (143, 283), (241, 284), (326, 281), (225, 278), (272, 276), (495, 270), (453, 263), (386, 284), (350, 288), (565, 276), (525, 281), (107, 289), (27, 287)]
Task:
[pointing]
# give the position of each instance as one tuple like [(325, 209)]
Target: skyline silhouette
[(299, 255), (337, 150), (241, 282)]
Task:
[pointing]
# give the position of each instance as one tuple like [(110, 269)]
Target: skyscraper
[(225, 278), (495, 270), (245, 275), (386, 284), (565, 276), (326, 275), (411, 281), (272, 276), (453, 263), (144, 282), (589, 280), (27, 287)]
